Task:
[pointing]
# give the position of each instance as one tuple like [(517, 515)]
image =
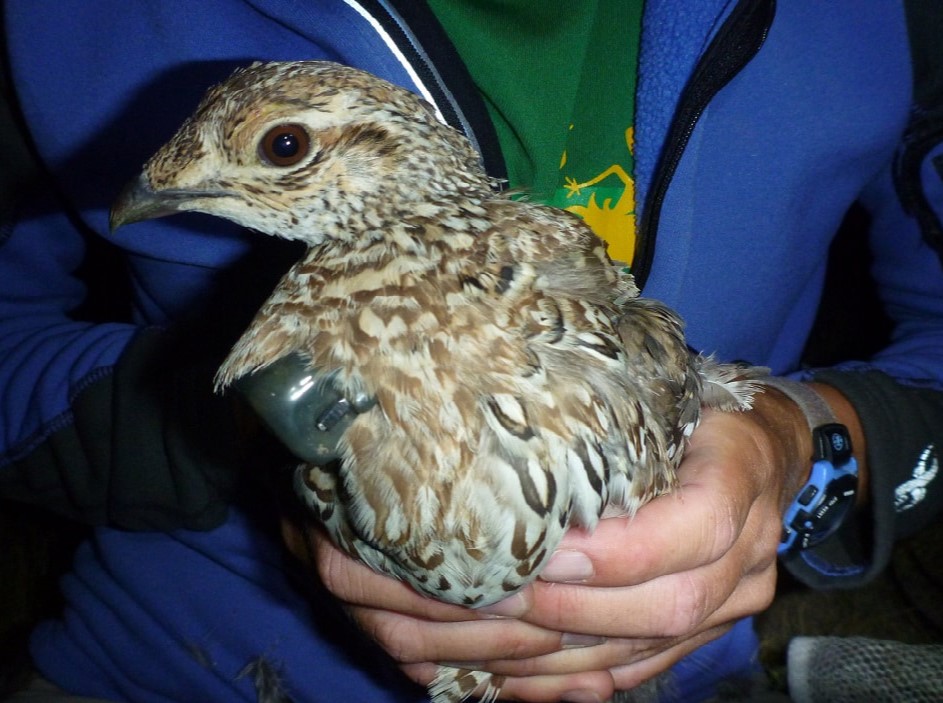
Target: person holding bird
[(723, 132)]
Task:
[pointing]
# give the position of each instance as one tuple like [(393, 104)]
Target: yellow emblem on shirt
[(606, 202)]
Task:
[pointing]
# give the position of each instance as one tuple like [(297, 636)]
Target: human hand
[(617, 607)]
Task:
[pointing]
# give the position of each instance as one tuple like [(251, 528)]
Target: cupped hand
[(618, 606)]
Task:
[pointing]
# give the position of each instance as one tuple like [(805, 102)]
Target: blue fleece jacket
[(740, 216)]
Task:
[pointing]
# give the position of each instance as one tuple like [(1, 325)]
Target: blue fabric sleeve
[(83, 403), (898, 395)]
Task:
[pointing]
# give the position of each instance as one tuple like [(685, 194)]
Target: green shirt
[(559, 81)]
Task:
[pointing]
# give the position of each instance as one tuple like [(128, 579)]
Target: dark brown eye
[(284, 145)]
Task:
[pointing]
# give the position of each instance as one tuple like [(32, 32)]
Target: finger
[(615, 652), (695, 525), (596, 676), (509, 648), (632, 675), (501, 646), (410, 640), (669, 606), (607, 654), (354, 583), (624, 677)]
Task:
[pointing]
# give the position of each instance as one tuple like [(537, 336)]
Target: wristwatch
[(821, 505)]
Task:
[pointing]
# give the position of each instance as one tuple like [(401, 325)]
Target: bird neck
[(426, 229)]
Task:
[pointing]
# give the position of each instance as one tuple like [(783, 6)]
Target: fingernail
[(511, 607), (568, 566), (571, 640), (471, 666), (581, 697)]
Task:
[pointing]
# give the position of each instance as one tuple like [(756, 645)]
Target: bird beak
[(138, 201)]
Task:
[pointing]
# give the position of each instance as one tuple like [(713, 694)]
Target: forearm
[(145, 445)]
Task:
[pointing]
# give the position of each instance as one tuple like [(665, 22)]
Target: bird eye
[(284, 145)]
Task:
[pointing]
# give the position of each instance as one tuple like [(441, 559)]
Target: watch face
[(821, 506), (829, 515)]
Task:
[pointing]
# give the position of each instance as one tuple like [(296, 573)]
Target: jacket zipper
[(415, 31), (733, 47)]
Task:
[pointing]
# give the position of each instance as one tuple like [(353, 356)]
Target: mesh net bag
[(839, 669)]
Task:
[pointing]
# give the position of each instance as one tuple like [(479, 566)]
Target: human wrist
[(787, 429), (828, 496)]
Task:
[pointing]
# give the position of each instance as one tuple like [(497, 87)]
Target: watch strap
[(826, 497), (813, 406)]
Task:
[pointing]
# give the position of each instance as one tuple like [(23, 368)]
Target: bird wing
[(507, 406), (597, 346)]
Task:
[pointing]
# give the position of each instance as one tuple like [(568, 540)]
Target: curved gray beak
[(138, 201)]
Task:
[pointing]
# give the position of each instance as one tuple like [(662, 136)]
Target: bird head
[(306, 150)]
